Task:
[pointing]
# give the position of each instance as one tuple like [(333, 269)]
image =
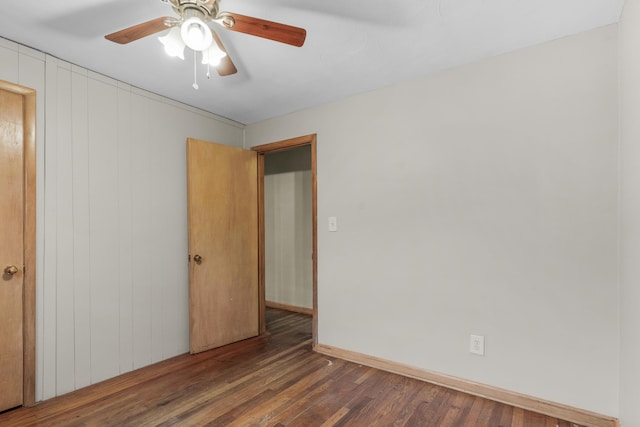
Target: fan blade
[(266, 29), (138, 31), (226, 66)]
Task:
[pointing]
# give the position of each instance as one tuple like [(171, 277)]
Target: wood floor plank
[(276, 380), (215, 395), (404, 391), (423, 392), (414, 411), (375, 404), (345, 394), (342, 371), (457, 410), (286, 388), (518, 417), (507, 414), (335, 418), (531, 419), (484, 418)]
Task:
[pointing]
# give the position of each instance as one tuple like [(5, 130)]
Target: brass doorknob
[(10, 270), (198, 259)]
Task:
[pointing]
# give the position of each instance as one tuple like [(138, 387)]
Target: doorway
[(297, 153), (288, 231), (18, 246)]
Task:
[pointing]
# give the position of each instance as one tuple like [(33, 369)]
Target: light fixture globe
[(173, 44), (196, 34), (213, 55)]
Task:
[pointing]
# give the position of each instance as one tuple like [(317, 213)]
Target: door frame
[(284, 145), (29, 240)]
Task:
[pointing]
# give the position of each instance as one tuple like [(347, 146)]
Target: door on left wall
[(11, 248), (222, 188)]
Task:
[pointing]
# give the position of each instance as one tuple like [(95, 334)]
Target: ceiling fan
[(191, 28)]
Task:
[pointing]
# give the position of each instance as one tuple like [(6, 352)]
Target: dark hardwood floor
[(276, 381)]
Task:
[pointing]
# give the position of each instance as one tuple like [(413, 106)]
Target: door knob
[(10, 270), (197, 259)]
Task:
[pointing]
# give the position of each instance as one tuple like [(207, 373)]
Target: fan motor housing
[(203, 9)]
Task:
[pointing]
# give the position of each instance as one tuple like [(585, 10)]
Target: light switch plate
[(333, 223)]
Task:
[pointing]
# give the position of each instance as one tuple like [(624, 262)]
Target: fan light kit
[(191, 29), (196, 34)]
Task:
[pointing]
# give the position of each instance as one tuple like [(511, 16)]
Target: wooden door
[(223, 244), (11, 248)]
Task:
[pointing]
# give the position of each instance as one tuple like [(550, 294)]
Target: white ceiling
[(352, 46)]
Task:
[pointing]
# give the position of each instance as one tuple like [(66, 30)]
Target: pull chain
[(195, 70)]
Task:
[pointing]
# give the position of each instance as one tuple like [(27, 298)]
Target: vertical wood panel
[(178, 330), (65, 355), (8, 61), (170, 319), (125, 267), (158, 140), (103, 214), (142, 233), (49, 315), (81, 237)]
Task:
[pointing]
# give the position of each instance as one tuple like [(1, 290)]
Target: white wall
[(112, 278), (288, 227), (630, 214), (481, 200)]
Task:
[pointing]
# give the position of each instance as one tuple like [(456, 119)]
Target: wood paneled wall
[(112, 230), (629, 97)]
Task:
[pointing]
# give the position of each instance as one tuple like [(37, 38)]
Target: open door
[(17, 246), (11, 249), (223, 244)]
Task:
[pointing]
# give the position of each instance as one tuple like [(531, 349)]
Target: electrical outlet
[(476, 344)]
